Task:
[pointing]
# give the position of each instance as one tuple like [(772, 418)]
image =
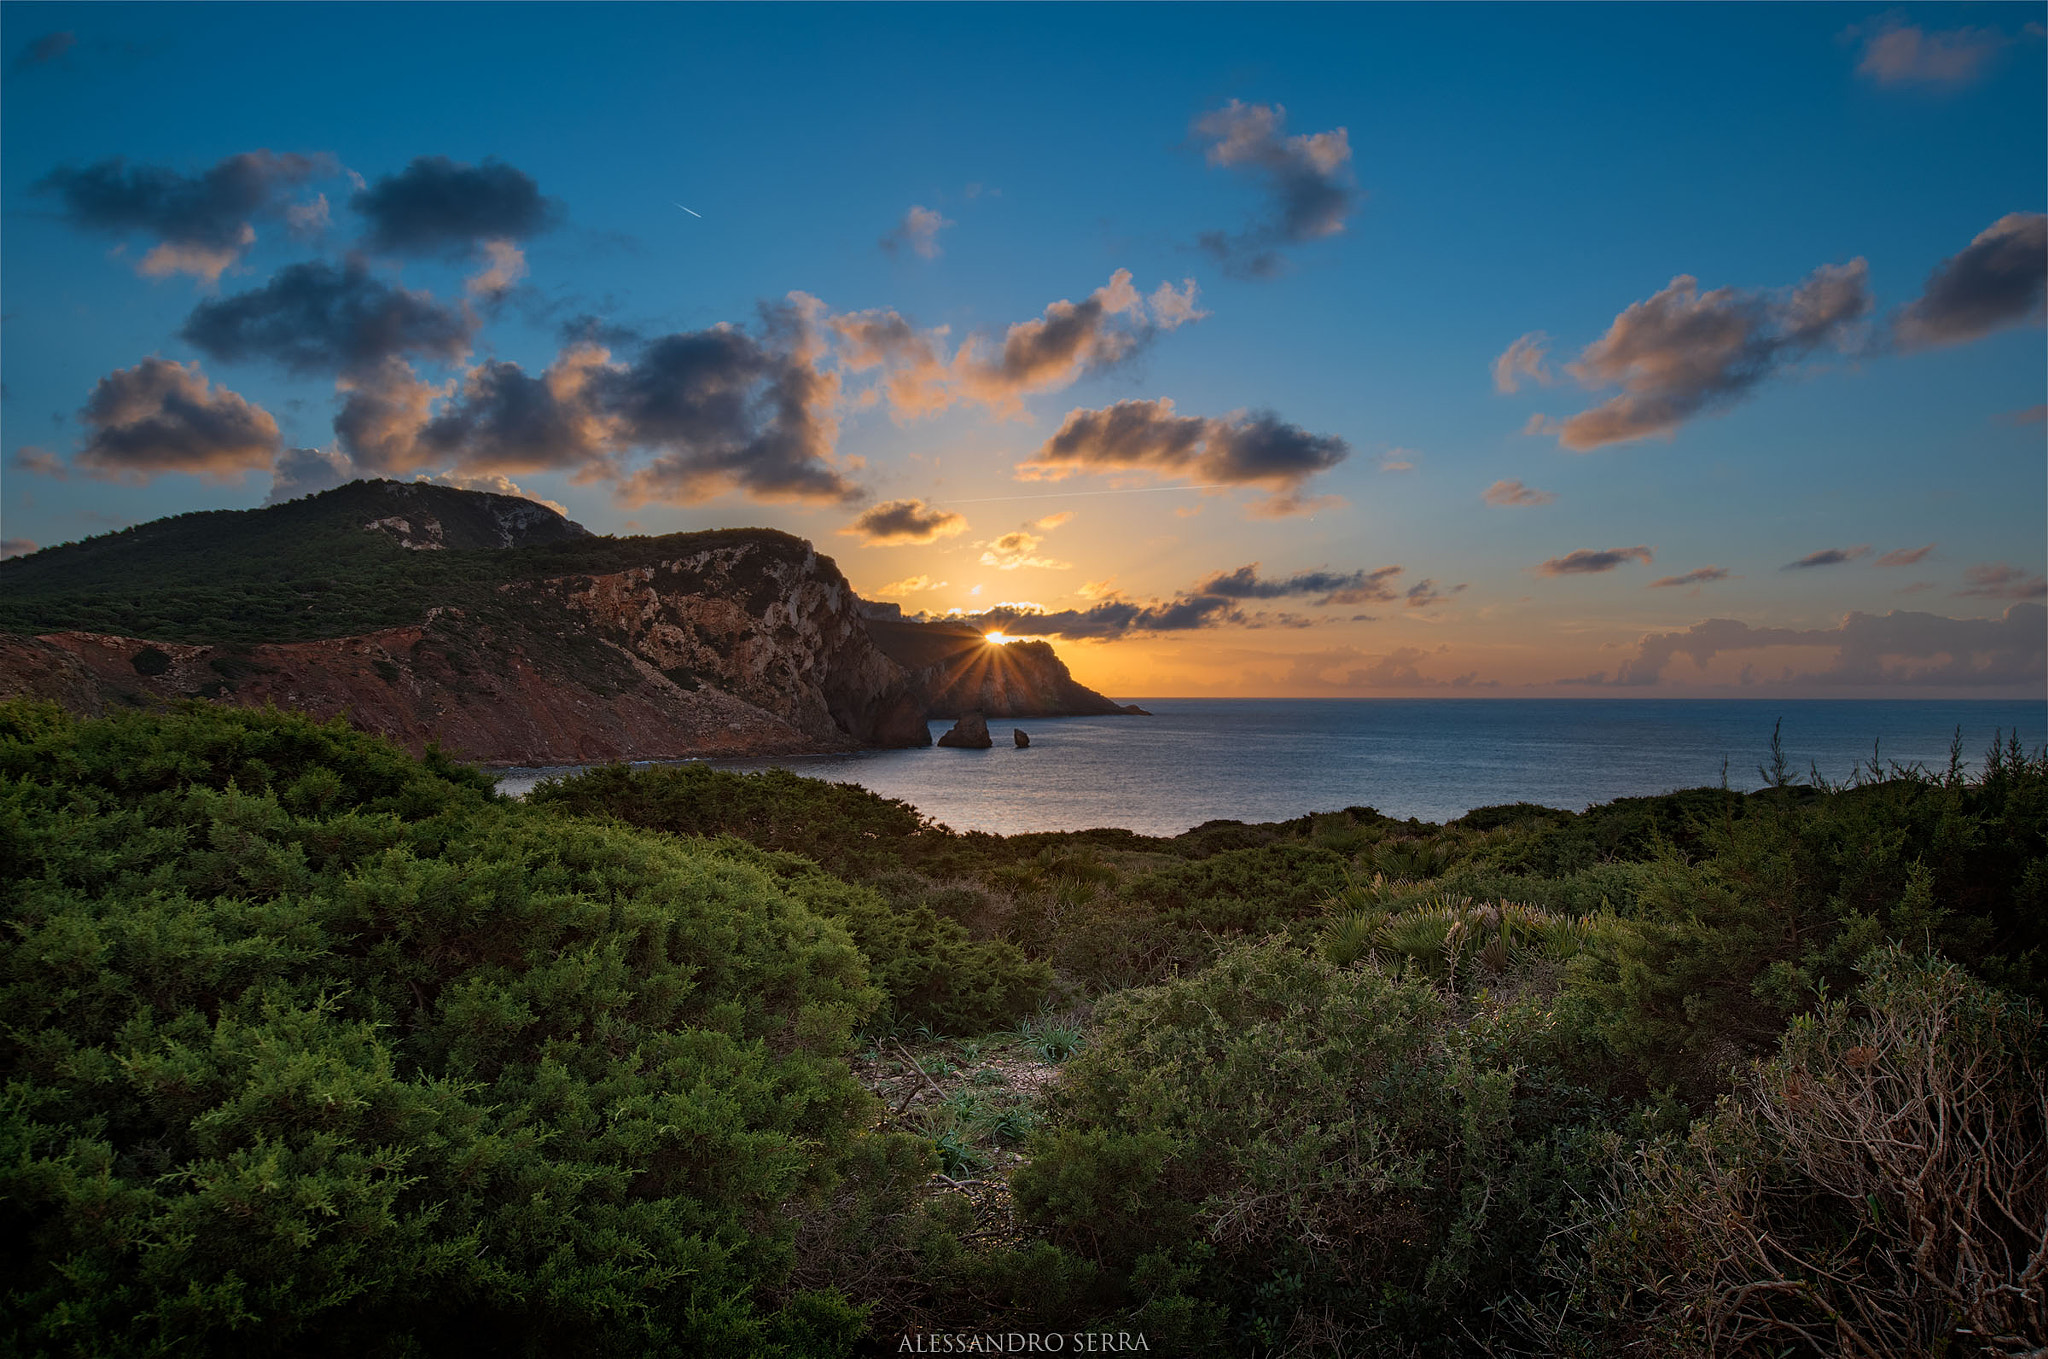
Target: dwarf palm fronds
[(1448, 936)]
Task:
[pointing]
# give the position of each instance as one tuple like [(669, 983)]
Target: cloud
[(1698, 576), (494, 484), (1396, 669), (1998, 581), (505, 265), (202, 223), (15, 547), (717, 409), (1398, 460), (1523, 359), (436, 206), (1830, 556), (1014, 550), (44, 50), (1069, 341), (1240, 449), (1586, 561), (1423, 594), (1905, 556), (911, 585), (918, 233), (383, 411), (1896, 648), (2031, 415), (316, 318), (1053, 521), (40, 462), (1354, 587), (308, 471), (1307, 179), (1897, 53), (161, 417), (903, 523), (1683, 352), (1173, 308), (1057, 348), (916, 376), (1515, 493), (1994, 282), (1109, 619)]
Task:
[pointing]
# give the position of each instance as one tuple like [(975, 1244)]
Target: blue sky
[(1502, 172)]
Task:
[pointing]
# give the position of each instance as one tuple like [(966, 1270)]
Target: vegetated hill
[(485, 622)]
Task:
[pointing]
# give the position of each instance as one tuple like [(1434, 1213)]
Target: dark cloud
[(899, 523), (1996, 580), (436, 205), (1110, 619), (1996, 281), (1424, 593), (1259, 449), (717, 409), (1698, 576), (1831, 556), (1307, 179), (161, 417), (202, 223), (1586, 561), (1515, 493), (44, 50), (1905, 556), (1683, 352), (317, 318), (1894, 648), (1353, 587)]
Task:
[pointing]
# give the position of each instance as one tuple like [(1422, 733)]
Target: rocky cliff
[(956, 670), (503, 631)]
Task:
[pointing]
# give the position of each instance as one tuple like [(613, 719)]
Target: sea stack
[(1021, 739), (969, 733)]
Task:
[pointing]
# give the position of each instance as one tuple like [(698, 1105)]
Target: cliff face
[(746, 648), (956, 670)]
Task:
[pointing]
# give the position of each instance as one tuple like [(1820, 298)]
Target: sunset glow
[(1298, 381)]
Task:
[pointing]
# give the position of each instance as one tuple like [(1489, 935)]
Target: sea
[(1261, 759)]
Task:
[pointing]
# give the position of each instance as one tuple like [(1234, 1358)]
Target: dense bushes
[(1335, 1144), (314, 1048)]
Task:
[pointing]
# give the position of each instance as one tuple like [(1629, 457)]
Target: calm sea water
[(1197, 760)]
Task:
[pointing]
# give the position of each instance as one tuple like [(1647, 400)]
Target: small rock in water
[(1021, 739), (970, 733)]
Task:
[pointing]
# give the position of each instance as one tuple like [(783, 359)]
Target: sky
[(1609, 350)]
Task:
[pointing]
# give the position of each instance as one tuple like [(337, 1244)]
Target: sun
[(996, 637)]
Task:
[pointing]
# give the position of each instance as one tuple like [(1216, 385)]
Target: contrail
[(697, 215), (1065, 495)]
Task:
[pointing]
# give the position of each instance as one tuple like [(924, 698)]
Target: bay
[(1205, 759)]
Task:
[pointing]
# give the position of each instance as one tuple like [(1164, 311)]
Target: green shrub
[(1285, 1120), (313, 1048)]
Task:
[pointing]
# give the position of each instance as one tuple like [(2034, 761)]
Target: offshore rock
[(969, 733), (1020, 738)]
